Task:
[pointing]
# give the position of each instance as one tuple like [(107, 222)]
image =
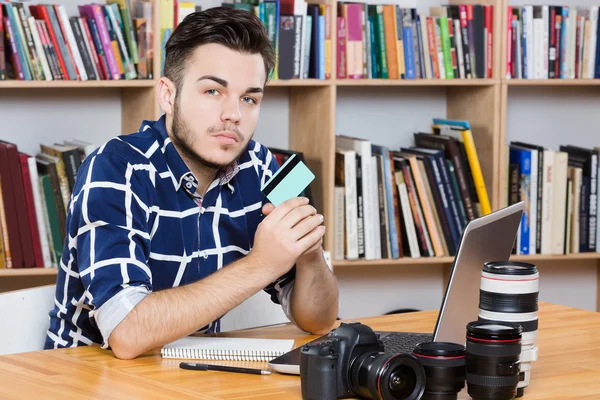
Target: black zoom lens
[(387, 376), (493, 360), (444, 365)]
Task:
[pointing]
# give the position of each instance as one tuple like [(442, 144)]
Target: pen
[(225, 368)]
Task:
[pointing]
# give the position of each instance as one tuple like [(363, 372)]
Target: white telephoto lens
[(509, 292)]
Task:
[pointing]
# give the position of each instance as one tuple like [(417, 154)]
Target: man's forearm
[(315, 296), (167, 315)]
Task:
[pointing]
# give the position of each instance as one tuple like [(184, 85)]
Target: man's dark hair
[(236, 29)]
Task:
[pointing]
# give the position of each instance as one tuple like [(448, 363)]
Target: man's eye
[(249, 100), (212, 92)]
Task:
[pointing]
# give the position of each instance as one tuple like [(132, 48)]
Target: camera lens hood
[(439, 349), (444, 365), (494, 330), (510, 268)]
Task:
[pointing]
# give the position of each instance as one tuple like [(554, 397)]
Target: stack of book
[(383, 41), (34, 196), (104, 42), (560, 192), (413, 202), (552, 42), (388, 41)]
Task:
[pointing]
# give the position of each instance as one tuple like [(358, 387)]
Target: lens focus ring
[(508, 303), (492, 381), (496, 350)]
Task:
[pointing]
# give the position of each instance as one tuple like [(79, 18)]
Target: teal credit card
[(289, 181)]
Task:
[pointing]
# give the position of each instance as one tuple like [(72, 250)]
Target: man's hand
[(316, 248), (288, 231)]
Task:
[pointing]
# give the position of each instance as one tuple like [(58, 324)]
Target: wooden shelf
[(10, 272), (552, 82), (15, 84), (415, 82), (559, 257), (406, 261), (299, 82)]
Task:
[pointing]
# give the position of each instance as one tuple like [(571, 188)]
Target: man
[(167, 227)]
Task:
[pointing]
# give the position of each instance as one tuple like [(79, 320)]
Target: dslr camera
[(351, 362)]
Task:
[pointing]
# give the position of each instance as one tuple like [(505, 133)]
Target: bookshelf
[(312, 107)]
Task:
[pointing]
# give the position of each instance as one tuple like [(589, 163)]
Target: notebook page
[(227, 348)]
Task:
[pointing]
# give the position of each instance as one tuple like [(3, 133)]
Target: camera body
[(325, 367)]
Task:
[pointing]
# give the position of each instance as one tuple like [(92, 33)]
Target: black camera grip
[(318, 372)]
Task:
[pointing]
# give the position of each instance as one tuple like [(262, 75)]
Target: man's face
[(217, 105)]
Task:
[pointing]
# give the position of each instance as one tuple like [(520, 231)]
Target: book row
[(411, 202), (560, 191), (34, 196), (375, 40), (552, 42), (109, 41), (388, 41)]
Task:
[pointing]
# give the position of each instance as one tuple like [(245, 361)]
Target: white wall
[(388, 116), (31, 117)]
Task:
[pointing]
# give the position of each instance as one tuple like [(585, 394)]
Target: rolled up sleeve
[(113, 241)]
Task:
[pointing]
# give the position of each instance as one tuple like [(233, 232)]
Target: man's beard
[(183, 138)]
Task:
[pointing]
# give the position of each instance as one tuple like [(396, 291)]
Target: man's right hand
[(287, 232)]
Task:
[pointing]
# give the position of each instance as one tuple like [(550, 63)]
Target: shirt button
[(205, 255)]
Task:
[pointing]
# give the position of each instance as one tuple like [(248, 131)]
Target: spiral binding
[(220, 354)]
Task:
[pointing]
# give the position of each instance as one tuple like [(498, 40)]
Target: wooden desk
[(568, 366)]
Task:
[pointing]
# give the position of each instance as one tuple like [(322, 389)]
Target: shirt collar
[(182, 175)]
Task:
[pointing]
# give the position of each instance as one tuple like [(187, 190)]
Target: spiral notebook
[(227, 348)]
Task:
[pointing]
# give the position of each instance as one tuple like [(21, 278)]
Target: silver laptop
[(488, 238)]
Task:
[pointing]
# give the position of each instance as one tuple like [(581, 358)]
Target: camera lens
[(493, 360), (387, 376), (509, 293), (444, 365)]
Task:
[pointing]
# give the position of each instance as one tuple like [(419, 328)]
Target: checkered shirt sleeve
[(112, 240)]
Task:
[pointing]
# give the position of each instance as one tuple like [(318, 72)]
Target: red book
[(341, 48), (21, 245), (489, 26), (12, 224), (30, 205)]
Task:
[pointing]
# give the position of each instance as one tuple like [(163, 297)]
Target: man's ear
[(166, 95)]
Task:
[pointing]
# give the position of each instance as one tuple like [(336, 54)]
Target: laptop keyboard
[(397, 342)]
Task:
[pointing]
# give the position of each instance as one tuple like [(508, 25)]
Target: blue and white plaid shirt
[(135, 225)]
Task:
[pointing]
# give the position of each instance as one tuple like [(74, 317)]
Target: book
[(226, 348)]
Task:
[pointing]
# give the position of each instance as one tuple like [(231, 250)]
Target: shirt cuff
[(111, 313)]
